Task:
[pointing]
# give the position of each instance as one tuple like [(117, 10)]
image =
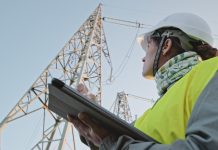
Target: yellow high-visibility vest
[(167, 120)]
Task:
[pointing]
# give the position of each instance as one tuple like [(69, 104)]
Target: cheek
[(148, 65), (149, 59)]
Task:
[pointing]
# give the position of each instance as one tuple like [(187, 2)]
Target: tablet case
[(65, 100)]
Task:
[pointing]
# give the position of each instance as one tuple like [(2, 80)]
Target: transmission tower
[(79, 61), (121, 107)]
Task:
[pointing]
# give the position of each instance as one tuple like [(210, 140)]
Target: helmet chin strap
[(157, 56)]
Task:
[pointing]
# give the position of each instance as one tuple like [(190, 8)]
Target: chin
[(148, 76)]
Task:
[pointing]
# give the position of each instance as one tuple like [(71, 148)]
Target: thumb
[(85, 118), (92, 97), (81, 88)]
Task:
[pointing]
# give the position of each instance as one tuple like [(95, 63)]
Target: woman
[(186, 114)]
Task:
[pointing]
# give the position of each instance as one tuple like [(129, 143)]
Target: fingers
[(83, 122), (93, 132), (86, 120), (92, 97), (97, 131), (89, 128), (76, 121), (81, 88), (85, 128), (80, 126)]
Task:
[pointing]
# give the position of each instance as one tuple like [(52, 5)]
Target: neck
[(174, 69)]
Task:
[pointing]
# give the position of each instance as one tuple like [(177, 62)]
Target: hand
[(81, 88), (87, 128)]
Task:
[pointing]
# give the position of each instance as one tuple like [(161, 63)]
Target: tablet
[(65, 100)]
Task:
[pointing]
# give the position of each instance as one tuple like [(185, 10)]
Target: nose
[(143, 59)]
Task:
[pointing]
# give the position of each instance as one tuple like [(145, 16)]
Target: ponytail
[(205, 51)]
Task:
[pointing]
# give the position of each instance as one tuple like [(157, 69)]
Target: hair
[(176, 44), (204, 50)]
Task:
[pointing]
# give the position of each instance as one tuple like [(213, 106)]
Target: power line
[(140, 11), (141, 98), (30, 139), (135, 24), (125, 59), (127, 23), (136, 97)]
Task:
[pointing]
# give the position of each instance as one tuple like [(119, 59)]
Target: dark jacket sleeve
[(201, 132), (88, 143)]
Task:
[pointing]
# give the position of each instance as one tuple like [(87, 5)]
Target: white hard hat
[(193, 25)]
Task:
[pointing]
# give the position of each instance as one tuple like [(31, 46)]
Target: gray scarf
[(174, 69)]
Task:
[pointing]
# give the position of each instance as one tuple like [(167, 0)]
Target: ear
[(167, 46)]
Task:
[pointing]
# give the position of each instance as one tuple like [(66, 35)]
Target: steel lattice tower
[(121, 107), (79, 61)]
